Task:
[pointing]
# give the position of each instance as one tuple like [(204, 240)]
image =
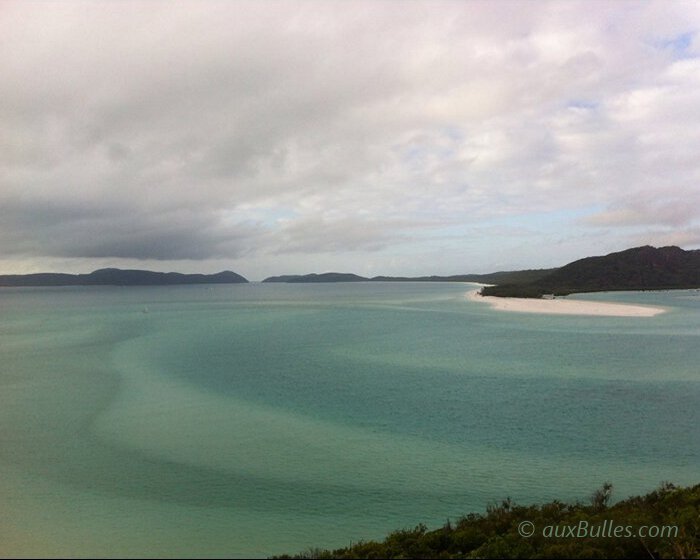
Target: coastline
[(560, 306)]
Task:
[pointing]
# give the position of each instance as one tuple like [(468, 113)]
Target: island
[(639, 268), (316, 278), (118, 277), (490, 278), (636, 269)]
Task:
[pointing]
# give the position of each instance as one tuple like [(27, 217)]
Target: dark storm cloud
[(111, 232)]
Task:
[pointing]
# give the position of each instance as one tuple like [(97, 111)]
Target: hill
[(514, 276), (661, 524), (325, 277), (118, 277), (640, 268), (491, 278)]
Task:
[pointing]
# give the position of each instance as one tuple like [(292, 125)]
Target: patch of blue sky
[(259, 215), (582, 104), (443, 146), (679, 46), (453, 133), (432, 149), (487, 231), (551, 220), (415, 152), (271, 216), (544, 222)]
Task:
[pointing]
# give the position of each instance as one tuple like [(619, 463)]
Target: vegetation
[(495, 534), (117, 277), (641, 268)]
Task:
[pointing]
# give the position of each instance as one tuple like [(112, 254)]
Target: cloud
[(246, 130), (316, 235), (98, 232)]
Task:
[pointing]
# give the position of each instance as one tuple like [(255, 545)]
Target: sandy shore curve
[(562, 306)]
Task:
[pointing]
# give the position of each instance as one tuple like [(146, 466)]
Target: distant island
[(640, 268), (491, 278), (312, 278), (118, 277)]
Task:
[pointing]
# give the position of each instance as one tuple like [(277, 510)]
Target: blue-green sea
[(259, 419)]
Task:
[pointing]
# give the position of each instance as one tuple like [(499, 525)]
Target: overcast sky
[(371, 137)]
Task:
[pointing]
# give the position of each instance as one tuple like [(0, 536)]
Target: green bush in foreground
[(559, 530)]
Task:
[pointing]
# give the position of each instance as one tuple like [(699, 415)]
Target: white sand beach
[(563, 306)]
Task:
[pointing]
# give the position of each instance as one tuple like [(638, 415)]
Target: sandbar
[(565, 306)]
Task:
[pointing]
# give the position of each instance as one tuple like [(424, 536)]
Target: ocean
[(260, 419)]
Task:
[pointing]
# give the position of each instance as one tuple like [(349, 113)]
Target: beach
[(562, 306)]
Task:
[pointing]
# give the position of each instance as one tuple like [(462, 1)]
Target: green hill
[(641, 268)]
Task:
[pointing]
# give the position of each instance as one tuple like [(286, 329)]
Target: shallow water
[(257, 419)]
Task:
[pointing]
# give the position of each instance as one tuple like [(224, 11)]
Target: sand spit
[(565, 306)]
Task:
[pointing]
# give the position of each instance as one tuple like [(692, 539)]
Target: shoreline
[(561, 306)]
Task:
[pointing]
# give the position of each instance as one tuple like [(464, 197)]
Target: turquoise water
[(257, 419)]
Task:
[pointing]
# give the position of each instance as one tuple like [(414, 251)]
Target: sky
[(399, 138)]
